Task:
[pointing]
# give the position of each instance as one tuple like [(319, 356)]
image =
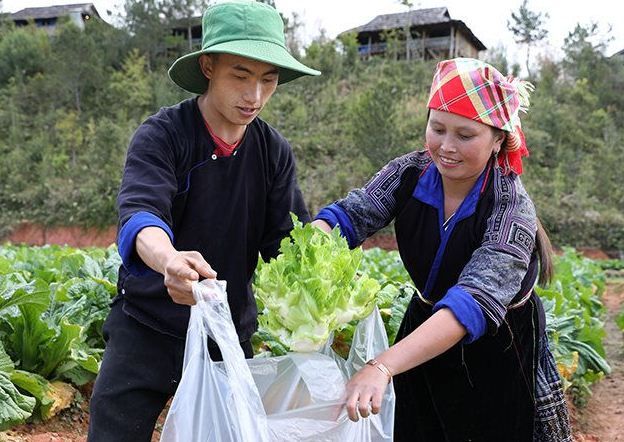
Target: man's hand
[(181, 270)]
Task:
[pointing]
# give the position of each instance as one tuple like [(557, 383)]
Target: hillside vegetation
[(71, 103)]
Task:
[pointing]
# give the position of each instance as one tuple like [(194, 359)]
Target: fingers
[(361, 404), (364, 405), (187, 273), (365, 393), (376, 402), (351, 405), (181, 271), (199, 264)]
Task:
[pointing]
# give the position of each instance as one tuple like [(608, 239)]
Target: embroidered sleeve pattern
[(494, 274), (373, 206)]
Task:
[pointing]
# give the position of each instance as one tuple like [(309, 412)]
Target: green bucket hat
[(249, 29)]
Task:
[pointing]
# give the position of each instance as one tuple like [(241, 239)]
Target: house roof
[(54, 11), (619, 54), (415, 18)]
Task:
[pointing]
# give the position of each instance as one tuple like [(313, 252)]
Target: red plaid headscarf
[(476, 90)]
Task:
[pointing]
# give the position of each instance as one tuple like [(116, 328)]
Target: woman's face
[(460, 147)]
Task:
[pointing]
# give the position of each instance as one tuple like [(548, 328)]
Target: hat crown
[(474, 89), (245, 20)]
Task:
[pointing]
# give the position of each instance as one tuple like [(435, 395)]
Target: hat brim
[(186, 73)]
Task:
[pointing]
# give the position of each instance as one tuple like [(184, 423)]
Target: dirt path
[(603, 418)]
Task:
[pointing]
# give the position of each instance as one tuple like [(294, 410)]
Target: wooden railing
[(415, 45)]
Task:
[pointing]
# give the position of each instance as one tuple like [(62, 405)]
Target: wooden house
[(49, 16), (433, 34), (183, 28)]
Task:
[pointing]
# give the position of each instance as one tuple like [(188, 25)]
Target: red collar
[(223, 148)]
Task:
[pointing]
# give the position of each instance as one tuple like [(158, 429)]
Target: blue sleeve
[(334, 214), (466, 310), (127, 237), (366, 210)]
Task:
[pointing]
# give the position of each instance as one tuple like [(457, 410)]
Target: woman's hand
[(319, 223), (365, 391), (436, 335)]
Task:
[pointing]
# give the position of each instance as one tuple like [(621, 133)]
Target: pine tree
[(528, 28)]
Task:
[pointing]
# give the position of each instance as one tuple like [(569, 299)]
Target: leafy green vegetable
[(15, 408), (53, 301), (620, 320), (393, 301), (574, 320), (51, 397), (385, 266), (312, 288)]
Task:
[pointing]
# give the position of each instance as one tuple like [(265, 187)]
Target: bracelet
[(381, 367)]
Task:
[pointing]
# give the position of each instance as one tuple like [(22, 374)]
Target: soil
[(603, 417), (71, 425), (386, 241), (37, 235)]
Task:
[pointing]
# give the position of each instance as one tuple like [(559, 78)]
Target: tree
[(584, 59), (77, 69), (408, 27), (393, 43), (145, 21), (528, 28), (322, 55), (130, 88), (373, 121), (349, 45), (497, 57), (23, 51)]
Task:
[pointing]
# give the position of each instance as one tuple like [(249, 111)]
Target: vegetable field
[(53, 301)]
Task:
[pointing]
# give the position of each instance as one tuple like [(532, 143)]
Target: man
[(206, 187)]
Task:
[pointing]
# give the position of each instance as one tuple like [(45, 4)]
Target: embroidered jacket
[(476, 264)]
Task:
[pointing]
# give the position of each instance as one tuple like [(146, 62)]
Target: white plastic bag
[(303, 393), (215, 401), (297, 397)]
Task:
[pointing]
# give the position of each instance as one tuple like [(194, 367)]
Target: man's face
[(239, 87)]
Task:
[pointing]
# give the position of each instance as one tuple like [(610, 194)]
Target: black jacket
[(227, 208)]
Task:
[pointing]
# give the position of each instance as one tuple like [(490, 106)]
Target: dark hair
[(542, 242)]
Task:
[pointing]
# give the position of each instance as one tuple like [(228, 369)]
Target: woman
[(471, 361)]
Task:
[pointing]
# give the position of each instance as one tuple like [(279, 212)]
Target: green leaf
[(620, 320), (15, 291), (312, 288), (15, 407), (30, 336), (59, 348), (36, 385), (397, 311), (6, 364)]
